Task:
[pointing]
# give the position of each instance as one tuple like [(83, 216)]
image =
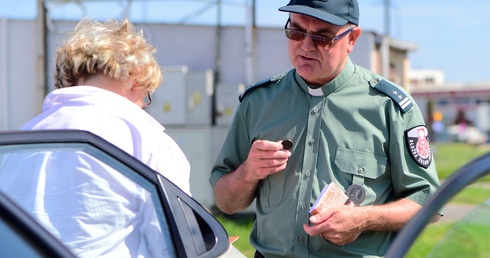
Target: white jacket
[(93, 209)]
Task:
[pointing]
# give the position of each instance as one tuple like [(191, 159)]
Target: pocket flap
[(360, 163)]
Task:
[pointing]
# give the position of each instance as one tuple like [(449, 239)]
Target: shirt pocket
[(272, 190), (361, 163)]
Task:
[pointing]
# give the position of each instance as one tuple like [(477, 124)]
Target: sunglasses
[(145, 105), (318, 40)]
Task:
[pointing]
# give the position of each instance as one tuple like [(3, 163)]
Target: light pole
[(387, 18)]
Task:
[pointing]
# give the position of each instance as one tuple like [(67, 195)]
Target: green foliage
[(466, 238), (239, 227), (475, 194), (451, 156), (431, 236)]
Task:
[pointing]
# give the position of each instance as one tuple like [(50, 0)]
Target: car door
[(185, 228), (466, 237)]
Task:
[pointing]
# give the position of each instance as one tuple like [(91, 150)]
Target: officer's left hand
[(340, 225)]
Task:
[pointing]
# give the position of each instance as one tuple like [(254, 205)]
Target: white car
[(189, 229)]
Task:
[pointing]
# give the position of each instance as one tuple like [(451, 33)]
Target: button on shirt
[(343, 131)]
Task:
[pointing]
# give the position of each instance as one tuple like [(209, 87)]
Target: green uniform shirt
[(349, 131)]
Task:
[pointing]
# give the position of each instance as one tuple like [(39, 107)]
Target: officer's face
[(318, 65)]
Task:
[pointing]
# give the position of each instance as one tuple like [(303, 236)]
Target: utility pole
[(217, 61), (42, 62), (249, 42), (387, 18)]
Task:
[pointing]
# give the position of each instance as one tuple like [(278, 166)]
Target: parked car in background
[(468, 236), (467, 134), (189, 229)]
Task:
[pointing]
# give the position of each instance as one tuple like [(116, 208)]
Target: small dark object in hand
[(287, 144)]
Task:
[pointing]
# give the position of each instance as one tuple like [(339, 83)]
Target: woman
[(104, 72)]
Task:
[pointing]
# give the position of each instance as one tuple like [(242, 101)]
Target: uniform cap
[(336, 12)]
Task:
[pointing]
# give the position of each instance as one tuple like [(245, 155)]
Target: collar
[(83, 96), (331, 86)]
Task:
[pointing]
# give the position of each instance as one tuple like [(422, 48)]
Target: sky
[(453, 36)]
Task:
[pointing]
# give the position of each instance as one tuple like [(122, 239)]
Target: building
[(424, 79)]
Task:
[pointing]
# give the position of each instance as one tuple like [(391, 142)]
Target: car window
[(61, 182), (462, 232), (467, 237), (22, 236), (463, 236), (95, 198), (13, 244)]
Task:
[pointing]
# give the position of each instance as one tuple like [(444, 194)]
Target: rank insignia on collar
[(417, 140)]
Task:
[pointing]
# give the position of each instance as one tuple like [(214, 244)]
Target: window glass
[(464, 229), (13, 245), (92, 202)]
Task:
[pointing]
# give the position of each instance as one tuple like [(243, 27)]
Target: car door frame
[(195, 232)]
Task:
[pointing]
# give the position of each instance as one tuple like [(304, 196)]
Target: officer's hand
[(340, 225), (265, 158)]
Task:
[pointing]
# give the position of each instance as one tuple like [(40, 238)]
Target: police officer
[(349, 126)]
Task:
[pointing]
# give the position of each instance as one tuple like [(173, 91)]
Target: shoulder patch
[(417, 140), (395, 93), (273, 79)]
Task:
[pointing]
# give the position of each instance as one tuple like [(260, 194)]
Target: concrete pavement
[(454, 212)]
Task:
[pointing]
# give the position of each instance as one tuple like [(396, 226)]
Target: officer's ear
[(353, 36)]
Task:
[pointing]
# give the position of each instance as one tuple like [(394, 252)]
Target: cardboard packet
[(330, 196)]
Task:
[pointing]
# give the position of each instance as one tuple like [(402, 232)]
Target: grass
[(471, 237), (464, 239), (239, 227), (467, 237), (451, 156), (476, 194)]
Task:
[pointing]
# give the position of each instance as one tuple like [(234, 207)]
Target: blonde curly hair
[(112, 48)]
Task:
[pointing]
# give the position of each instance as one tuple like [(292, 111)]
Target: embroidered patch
[(418, 145)]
